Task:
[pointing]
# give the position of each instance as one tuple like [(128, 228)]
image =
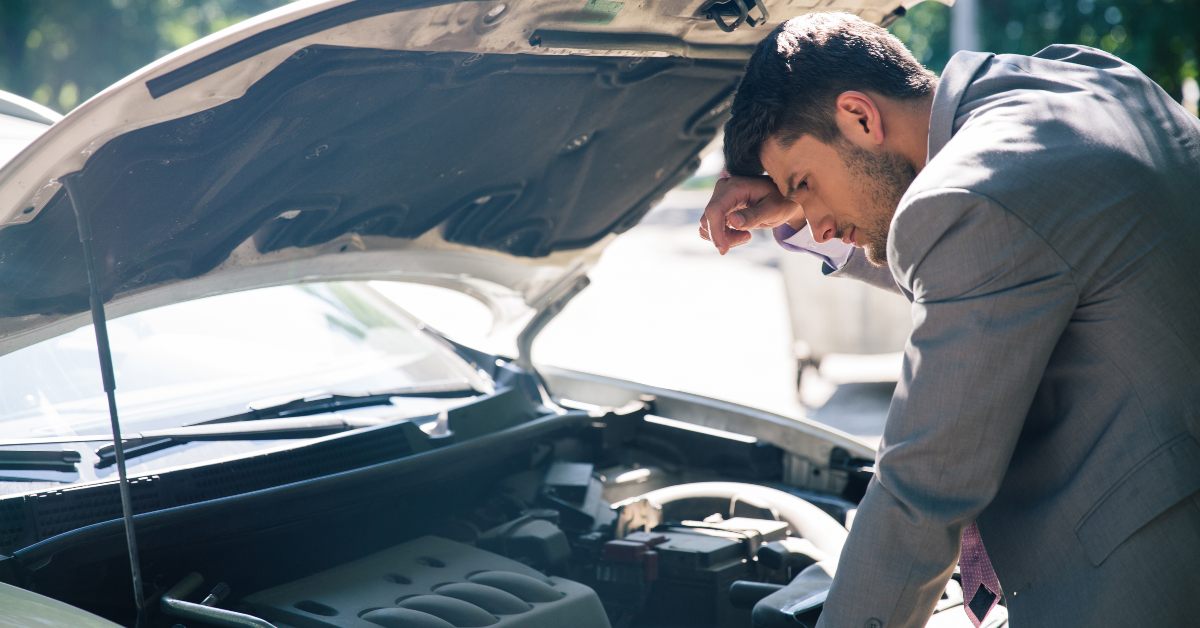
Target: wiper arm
[(283, 420), (152, 440), (332, 402), (47, 459), (149, 441), (295, 408)]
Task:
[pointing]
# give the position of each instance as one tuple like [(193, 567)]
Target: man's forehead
[(780, 153), (805, 151), (771, 150), (780, 160)]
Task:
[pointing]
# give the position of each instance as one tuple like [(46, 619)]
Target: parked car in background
[(302, 452), (839, 316)]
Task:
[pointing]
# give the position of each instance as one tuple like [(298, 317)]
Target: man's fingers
[(737, 238), (768, 213), (739, 204), (713, 220), (731, 194), (733, 237)]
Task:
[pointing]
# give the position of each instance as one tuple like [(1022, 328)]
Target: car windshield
[(202, 359)]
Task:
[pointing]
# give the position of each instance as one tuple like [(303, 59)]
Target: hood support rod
[(549, 305), (100, 325)]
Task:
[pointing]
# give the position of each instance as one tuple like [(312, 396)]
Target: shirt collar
[(956, 77)]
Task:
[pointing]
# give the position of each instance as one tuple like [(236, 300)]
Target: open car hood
[(458, 143)]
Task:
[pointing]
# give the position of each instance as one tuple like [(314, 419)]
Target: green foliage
[(1160, 37), (925, 29), (61, 52)]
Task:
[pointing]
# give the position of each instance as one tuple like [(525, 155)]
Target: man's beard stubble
[(884, 178)]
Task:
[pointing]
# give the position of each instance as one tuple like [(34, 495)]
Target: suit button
[(873, 623)]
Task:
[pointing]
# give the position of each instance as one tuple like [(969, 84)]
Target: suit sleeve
[(991, 299)]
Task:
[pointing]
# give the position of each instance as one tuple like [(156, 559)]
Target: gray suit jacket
[(1051, 385)]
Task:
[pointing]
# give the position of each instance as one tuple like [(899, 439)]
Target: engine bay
[(505, 513), (430, 581), (551, 549)]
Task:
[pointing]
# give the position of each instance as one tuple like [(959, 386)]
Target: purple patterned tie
[(981, 587)]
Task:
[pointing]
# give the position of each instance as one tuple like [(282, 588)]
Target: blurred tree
[(61, 52), (925, 29), (1161, 37)]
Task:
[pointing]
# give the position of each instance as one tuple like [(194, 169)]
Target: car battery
[(756, 532), (626, 570), (693, 573)]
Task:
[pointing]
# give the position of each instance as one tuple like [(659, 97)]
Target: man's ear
[(859, 119)]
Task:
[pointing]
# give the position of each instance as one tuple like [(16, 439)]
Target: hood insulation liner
[(522, 154)]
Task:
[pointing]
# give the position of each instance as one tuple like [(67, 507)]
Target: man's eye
[(801, 186)]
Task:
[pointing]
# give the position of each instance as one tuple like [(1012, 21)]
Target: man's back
[(1102, 165), (1058, 209)]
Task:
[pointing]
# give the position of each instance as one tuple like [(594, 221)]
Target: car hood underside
[(427, 141), (519, 154)]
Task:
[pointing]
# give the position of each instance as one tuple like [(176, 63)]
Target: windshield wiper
[(149, 441), (295, 408), (332, 402), (290, 419), (43, 459), (144, 442), (275, 413)]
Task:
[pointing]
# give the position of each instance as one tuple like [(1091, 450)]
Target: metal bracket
[(173, 603), (740, 10), (841, 460), (549, 305)]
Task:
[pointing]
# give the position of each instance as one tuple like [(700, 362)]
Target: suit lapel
[(955, 79)]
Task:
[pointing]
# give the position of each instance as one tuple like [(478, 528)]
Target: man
[(1042, 215)]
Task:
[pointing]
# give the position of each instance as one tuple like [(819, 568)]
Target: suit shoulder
[(985, 163), (1081, 55), (1028, 165), (949, 242), (1068, 119)]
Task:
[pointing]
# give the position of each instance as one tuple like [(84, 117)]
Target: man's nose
[(824, 228)]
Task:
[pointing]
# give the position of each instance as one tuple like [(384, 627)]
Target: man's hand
[(739, 204)]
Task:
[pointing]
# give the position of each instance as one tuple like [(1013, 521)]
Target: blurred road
[(665, 309)]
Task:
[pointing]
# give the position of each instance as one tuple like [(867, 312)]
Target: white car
[(299, 451)]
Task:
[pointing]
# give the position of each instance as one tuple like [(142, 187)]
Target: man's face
[(846, 191)]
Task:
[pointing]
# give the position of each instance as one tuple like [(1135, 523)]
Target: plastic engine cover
[(430, 582)]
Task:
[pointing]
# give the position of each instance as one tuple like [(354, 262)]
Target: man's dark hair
[(795, 75)]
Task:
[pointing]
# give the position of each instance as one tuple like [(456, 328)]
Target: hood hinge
[(552, 302), (740, 10)]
